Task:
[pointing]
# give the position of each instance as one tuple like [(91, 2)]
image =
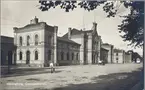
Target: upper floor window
[(28, 40), (21, 41), (36, 55), (20, 55), (36, 39)]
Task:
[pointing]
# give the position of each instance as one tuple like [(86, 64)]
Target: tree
[(132, 25)]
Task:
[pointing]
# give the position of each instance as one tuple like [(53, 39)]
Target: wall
[(32, 47), (110, 53), (128, 58), (67, 48), (7, 50), (80, 40)]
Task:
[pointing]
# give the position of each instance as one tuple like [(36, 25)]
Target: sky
[(18, 13)]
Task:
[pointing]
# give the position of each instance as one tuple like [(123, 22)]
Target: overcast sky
[(18, 13)]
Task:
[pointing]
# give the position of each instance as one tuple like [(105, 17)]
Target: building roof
[(118, 50), (39, 24), (6, 39), (104, 49), (76, 32), (66, 40)]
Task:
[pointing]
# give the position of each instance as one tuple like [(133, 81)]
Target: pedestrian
[(52, 67)]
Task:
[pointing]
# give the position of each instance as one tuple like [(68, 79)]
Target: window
[(20, 55), (21, 41), (36, 39), (67, 55), (72, 56), (117, 59), (77, 56), (36, 55), (116, 54), (28, 40), (49, 55), (62, 55)]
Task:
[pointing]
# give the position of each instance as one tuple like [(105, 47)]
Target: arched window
[(67, 55), (28, 40), (72, 56), (36, 39), (21, 41), (36, 55), (62, 55), (20, 55)]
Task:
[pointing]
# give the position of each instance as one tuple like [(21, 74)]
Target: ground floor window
[(36, 55), (20, 55)]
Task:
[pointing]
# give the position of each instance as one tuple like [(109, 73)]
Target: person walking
[(52, 67)]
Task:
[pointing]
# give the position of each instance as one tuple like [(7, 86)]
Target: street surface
[(80, 77)]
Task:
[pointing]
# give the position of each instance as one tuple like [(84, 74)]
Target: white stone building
[(38, 44), (34, 41)]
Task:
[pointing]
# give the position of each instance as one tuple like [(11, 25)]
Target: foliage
[(132, 25)]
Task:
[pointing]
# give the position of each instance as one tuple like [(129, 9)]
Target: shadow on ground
[(28, 71), (116, 81)]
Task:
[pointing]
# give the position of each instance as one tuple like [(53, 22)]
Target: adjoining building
[(7, 50), (90, 43), (110, 48), (119, 56), (128, 57), (104, 55), (68, 52)]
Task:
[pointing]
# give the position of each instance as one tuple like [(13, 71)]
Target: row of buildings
[(37, 44)]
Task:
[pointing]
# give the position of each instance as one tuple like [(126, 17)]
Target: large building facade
[(37, 44)]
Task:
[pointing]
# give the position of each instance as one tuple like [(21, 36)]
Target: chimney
[(34, 21), (69, 33), (94, 26)]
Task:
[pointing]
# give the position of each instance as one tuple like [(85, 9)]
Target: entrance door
[(28, 57)]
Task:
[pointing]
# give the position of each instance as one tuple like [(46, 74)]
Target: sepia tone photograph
[(72, 45)]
